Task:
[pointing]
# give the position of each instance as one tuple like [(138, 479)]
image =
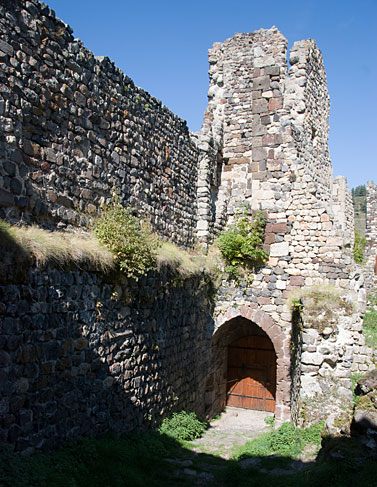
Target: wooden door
[(251, 381)]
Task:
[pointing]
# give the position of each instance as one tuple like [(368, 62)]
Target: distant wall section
[(371, 234)]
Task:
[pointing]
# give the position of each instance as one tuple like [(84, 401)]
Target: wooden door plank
[(251, 373)]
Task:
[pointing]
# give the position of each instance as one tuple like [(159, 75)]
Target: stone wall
[(332, 349), (74, 129), (343, 210), (82, 353), (371, 234)]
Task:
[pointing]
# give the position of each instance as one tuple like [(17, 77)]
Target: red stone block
[(297, 281), (275, 103), (272, 140), (269, 238), (279, 228)]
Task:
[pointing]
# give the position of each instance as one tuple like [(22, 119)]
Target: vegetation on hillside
[(370, 322), (359, 248), (360, 207)]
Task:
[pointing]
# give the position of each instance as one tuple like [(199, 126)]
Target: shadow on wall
[(84, 354)]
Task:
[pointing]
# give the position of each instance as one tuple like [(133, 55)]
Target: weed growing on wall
[(129, 239), (183, 426), (359, 248), (323, 298), (242, 244)]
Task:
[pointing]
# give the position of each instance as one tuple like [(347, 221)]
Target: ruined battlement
[(264, 142)]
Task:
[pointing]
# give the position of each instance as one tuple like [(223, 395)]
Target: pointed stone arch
[(281, 343)]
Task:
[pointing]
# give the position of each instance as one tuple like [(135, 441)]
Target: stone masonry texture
[(75, 129), (84, 353)]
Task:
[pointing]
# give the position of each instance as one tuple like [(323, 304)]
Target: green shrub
[(128, 238), (183, 426), (359, 247), (312, 434), (242, 244)]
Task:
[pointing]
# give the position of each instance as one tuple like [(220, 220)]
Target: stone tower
[(264, 142)]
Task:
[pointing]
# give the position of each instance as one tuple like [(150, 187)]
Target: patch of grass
[(323, 298), (125, 245), (286, 441), (183, 426), (270, 421), (312, 434), (184, 262), (61, 248)]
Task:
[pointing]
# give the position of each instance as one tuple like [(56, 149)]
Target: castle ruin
[(73, 128)]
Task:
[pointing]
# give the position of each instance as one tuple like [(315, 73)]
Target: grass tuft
[(324, 297), (185, 262), (61, 248)]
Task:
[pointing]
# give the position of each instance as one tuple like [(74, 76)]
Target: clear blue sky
[(162, 45)]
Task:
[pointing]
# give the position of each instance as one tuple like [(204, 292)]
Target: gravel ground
[(235, 427)]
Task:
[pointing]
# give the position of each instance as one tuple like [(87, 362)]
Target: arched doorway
[(251, 374), (233, 329)]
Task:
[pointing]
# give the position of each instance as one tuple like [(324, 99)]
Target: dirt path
[(234, 428)]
